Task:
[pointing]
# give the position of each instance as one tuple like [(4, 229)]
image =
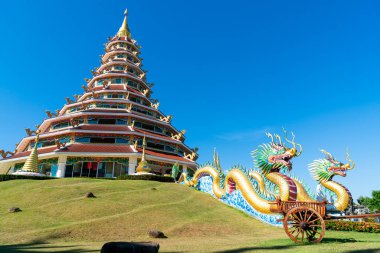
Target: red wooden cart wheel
[(304, 223)]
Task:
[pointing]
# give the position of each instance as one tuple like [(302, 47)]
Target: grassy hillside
[(56, 217)]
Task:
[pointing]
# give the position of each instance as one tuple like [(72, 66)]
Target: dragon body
[(323, 170), (271, 159), (256, 191)]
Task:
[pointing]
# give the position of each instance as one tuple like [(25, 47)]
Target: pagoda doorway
[(96, 169)]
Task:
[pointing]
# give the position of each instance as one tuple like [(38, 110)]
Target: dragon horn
[(297, 144), (286, 137), (279, 139), (328, 155), (300, 152), (293, 142), (270, 136), (351, 163)]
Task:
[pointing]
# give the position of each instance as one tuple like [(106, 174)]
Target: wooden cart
[(305, 221)]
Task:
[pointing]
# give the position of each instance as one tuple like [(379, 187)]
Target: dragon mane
[(260, 158), (319, 170)]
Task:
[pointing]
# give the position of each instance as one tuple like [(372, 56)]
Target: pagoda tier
[(100, 132)]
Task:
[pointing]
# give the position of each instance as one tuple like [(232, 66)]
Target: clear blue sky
[(227, 70)]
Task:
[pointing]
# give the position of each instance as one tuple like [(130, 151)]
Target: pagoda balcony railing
[(110, 44), (112, 53), (121, 60), (142, 80)]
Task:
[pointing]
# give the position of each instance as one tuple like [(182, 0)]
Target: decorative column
[(12, 169), (132, 165), (61, 166), (184, 168)]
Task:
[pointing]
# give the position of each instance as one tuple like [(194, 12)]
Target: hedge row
[(147, 177), (353, 226), (14, 177)]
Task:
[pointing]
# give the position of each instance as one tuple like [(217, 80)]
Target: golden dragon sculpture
[(261, 188), (271, 158)]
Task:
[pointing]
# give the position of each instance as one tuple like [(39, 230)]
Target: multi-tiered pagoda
[(112, 129)]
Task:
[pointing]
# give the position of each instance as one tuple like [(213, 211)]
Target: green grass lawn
[(57, 218)]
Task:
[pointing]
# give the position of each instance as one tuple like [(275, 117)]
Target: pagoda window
[(155, 145), (119, 169), (74, 109), (138, 124), (44, 143), (120, 106), (60, 125), (82, 139), (113, 106), (88, 168), (121, 122), (117, 80), (115, 96), (132, 84), (48, 169), (147, 126), (64, 140), (129, 58), (99, 83), (170, 148), (136, 100), (136, 109), (120, 56), (102, 140), (118, 67), (122, 140), (77, 169), (103, 105), (92, 121), (107, 121), (158, 129), (105, 169)]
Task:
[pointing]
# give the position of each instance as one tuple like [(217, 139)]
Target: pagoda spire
[(31, 164), (124, 29)]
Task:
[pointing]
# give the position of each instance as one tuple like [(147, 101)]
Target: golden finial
[(124, 29)]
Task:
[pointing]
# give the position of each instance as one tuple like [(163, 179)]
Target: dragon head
[(325, 169), (274, 156)]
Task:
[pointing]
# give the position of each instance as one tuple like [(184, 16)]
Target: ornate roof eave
[(47, 122), (109, 44), (26, 141), (111, 63), (86, 95), (120, 101), (58, 152), (119, 51)]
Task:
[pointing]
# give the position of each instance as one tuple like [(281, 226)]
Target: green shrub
[(147, 177), (362, 226), (14, 177)]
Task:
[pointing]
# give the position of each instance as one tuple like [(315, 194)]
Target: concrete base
[(28, 173)]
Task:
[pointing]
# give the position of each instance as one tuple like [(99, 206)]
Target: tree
[(372, 203), (175, 170)]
